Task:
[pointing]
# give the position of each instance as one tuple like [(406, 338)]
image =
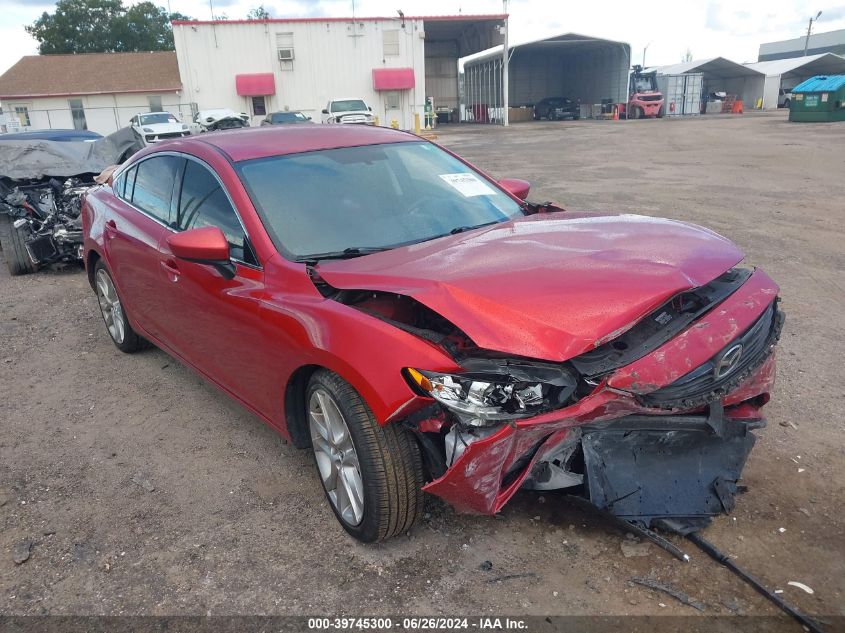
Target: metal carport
[(788, 73), (722, 75), (569, 65)]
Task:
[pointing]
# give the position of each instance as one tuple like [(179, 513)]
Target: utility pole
[(809, 31), (505, 62)]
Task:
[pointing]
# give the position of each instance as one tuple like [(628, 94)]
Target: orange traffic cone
[(616, 113)]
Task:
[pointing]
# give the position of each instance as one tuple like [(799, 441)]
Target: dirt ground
[(146, 491)]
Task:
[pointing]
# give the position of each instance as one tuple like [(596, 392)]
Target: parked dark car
[(556, 108), (421, 327), (285, 118)]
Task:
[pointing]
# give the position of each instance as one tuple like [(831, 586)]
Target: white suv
[(350, 110), (151, 127)]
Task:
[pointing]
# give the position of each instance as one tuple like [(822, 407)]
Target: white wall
[(332, 59), (104, 114)]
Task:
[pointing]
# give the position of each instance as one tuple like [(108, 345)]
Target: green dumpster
[(820, 98)]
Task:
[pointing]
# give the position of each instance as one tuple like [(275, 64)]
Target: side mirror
[(516, 187), (205, 245), (370, 108), (325, 111)]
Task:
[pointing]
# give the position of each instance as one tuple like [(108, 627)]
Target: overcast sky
[(732, 29)]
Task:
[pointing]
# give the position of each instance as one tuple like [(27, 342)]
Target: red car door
[(139, 215), (213, 322)]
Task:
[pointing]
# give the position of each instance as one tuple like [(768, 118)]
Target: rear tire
[(382, 463), (660, 113), (13, 245), (113, 313)]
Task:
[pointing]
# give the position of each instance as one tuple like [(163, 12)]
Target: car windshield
[(375, 197), (348, 105), (288, 117), (157, 117)]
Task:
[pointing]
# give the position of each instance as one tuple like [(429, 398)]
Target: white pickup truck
[(349, 110)]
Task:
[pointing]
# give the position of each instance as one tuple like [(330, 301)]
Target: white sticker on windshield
[(468, 184)]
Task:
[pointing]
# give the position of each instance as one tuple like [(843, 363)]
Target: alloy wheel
[(110, 307), (336, 457)]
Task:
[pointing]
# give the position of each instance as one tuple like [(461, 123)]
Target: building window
[(77, 113), (390, 42), (259, 108), (284, 50), (155, 103), (22, 113)]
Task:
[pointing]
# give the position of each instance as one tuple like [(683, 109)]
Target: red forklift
[(644, 99)]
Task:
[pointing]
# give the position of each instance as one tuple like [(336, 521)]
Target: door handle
[(171, 269), (110, 228)]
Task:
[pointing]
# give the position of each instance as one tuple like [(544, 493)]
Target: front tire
[(114, 315), (14, 248), (371, 474), (635, 113)]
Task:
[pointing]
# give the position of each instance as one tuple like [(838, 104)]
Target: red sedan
[(421, 327)]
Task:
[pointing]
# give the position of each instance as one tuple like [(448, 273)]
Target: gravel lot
[(146, 491)]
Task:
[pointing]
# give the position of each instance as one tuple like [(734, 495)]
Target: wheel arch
[(295, 419), (91, 259)]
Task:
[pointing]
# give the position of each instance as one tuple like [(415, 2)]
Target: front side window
[(204, 203), (371, 197), (153, 189)]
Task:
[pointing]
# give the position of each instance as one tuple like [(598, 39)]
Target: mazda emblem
[(727, 362)]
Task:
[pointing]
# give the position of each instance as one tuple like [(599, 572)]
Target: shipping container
[(821, 98), (681, 93)]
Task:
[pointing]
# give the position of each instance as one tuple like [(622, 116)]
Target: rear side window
[(204, 203), (125, 184), (154, 186)]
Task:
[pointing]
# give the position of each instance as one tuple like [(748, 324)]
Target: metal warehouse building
[(260, 66), (830, 42), (568, 65)]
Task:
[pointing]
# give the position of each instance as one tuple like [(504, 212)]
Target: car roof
[(262, 142)]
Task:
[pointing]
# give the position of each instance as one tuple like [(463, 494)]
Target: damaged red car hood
[(547, 286)]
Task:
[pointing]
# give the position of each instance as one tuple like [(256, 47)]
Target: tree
[(687, 56), (258, 13), (103, 26)]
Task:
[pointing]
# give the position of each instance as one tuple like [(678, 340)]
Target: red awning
[(255, 85), (393, 78)]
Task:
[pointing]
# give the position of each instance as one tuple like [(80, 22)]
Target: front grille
[(702, 385)]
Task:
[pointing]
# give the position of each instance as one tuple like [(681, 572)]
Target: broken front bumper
[(641, 461)]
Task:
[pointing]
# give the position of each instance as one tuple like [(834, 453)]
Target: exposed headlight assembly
[(148, 130), (498, 389)]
